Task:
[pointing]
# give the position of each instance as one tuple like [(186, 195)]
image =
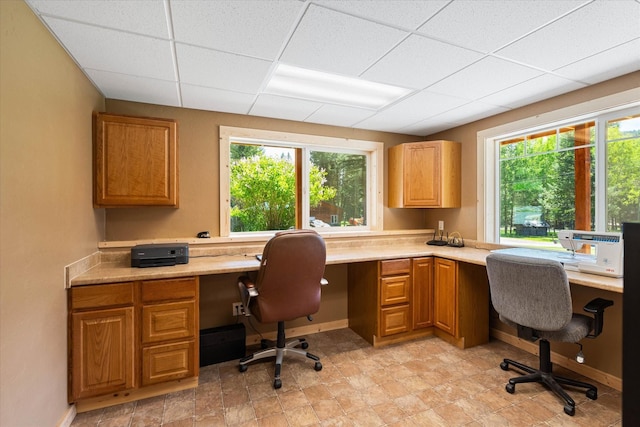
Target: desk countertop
[(120, 271)]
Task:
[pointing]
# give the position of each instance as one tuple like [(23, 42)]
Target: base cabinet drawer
[(394, 320), (168, 362), (162, 322)]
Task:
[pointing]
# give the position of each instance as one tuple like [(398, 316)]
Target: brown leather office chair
[(287, 287), (533, 296)]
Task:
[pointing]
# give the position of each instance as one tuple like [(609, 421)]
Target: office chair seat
[(533, 296)]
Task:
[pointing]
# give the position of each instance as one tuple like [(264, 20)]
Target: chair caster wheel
[(304, 345), (569, 410), (277, 383), (264, 344), (318, 366), (511, 388), (504, 366), (242, 368), (592, 394)]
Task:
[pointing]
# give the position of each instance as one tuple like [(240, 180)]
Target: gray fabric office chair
[(533, 295), (287, 287)]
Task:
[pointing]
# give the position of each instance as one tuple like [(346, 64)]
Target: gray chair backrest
[(531, 292), (289, 278)]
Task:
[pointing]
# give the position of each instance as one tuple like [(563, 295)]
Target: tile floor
[(426, 382)]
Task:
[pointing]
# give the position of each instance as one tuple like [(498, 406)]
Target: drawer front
[(95, 296), (169, 289), (394, 320), (395, 266), (168, 362), (163, 322), (395, 290)]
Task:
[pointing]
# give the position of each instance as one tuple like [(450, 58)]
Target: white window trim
[(375, 164), (488, 170)]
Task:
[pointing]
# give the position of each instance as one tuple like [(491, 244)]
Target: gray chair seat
[(578, 328)]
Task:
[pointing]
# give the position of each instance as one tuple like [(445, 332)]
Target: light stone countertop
[(202, 263)]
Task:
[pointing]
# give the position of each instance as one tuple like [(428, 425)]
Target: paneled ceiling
[(462, 60)]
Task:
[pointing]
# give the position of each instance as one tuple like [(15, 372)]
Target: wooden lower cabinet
[(445, 293), (124, 337), (396, 300), (390, 300), (103, 352), (461, 302)]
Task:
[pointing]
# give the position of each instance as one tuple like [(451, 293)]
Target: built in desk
[(398, 288)]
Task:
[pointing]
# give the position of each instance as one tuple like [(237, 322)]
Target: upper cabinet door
[(425, 175), (136, 162)]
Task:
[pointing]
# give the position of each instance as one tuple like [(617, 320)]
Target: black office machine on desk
[(159, 255)]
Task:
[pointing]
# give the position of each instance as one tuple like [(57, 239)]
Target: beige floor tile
[(425, 382)]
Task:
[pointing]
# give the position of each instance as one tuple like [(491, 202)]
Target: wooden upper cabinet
[(136, 161), (425, 175)]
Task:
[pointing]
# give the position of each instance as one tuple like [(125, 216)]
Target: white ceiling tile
[(338, 115), (401, 13), (205, 98), (115, 51), (283, 108), (487, 25), (133, 88), (335, 42), (119, 14), (534, 90), (418, 62), (254, 28), (594, 28), (470, 112), (426, 127), (486, 76), (220, 70), (606, 65), (414, 109)]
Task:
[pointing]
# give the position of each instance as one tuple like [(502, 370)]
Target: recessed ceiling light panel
[(318, 86)]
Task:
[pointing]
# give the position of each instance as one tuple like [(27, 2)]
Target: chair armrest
[(596, 307), (247, 291)]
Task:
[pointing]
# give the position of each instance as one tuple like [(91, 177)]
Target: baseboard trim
[(301, 330), (561, 360), (68, 417)]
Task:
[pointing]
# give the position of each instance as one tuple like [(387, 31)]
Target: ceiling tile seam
[(556, 19), (543, 70), (174, 55), (102, 27), (276, 61), (373, 20), (291, 32), (215, 87), (594, 54)]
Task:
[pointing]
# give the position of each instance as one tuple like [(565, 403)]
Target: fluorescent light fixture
[(296, 82)]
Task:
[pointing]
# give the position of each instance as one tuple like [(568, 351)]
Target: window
[(278, 181), (581, 174)]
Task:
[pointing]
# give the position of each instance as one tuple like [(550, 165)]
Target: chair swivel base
[(279, 352), (545, 376)]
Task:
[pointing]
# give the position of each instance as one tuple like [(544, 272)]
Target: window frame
[(306, 142), (488, 167)]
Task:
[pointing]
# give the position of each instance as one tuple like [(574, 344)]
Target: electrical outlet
[(441, 225), (237, 308)]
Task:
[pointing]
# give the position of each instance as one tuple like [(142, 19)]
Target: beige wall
[(199, 173), (47, 218)]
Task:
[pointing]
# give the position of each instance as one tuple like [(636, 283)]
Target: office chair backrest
[(531, 292), (290, 273)]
